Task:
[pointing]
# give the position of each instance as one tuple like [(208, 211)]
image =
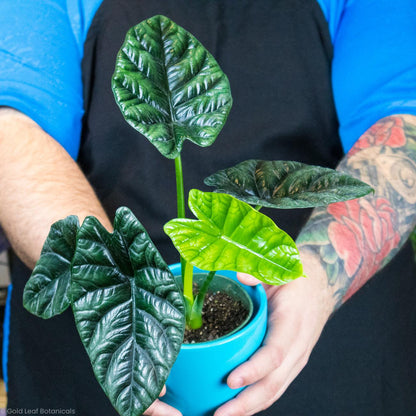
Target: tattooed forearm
[(354, 239)]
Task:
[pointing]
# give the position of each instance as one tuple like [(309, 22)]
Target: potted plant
[(129, 309)]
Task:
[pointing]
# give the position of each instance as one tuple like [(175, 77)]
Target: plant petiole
[(186, 268), (195, 319), (180, 201), (188, 289)]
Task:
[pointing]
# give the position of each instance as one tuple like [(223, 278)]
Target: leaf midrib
[(165, 76), (218, 235), (133, 330), (262, 257)]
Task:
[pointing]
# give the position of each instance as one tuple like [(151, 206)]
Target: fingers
[(270, 371), (159, 408), (263, 394), (247, 279), (266, 359), (280, 339), (295, 323)]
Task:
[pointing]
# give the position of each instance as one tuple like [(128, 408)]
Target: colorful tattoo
[(355, 239)]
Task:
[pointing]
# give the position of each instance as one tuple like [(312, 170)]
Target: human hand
[(159, 408), (298, 312)]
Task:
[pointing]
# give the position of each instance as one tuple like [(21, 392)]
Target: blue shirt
[(41, 47)]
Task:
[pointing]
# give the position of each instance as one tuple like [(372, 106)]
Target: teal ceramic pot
[(197, 383)]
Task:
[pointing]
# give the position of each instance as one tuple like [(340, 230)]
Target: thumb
[(247, 279)]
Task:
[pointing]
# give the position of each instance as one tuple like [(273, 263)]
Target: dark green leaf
[(46, 293), (169, 87), (128, 310), (286, 184), (232, 235)]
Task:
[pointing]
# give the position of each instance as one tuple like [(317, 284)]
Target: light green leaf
[(169, 87), (128, 310), (286, 184), (46, 293), (232, 235)]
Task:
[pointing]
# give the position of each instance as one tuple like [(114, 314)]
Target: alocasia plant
[(128, 307)]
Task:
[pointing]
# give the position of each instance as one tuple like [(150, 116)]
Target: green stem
[(180, 192), (258, 207), (195, 318), (188, 289), (206, 284), (187, 270)]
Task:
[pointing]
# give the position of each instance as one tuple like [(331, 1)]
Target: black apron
[(277, 55)]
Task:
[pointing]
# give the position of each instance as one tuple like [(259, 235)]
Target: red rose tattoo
[(388, 132), (363, 234)]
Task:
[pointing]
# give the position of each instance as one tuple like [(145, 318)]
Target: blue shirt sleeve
[(41, 45), (374, 65)]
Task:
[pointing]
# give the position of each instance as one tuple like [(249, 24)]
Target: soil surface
[(221, 314)]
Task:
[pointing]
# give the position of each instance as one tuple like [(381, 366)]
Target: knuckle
[(276, 357), (241, 408), (255, 370), (272, 387), (253, 373)]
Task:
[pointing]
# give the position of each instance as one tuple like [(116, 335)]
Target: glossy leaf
[(232, 235), (128, 310), (46, 293), (169, 87), (286, 184)]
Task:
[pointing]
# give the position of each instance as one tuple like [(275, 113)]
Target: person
[(311, 79)]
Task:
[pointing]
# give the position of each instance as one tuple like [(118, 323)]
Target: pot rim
[(254, 321)]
